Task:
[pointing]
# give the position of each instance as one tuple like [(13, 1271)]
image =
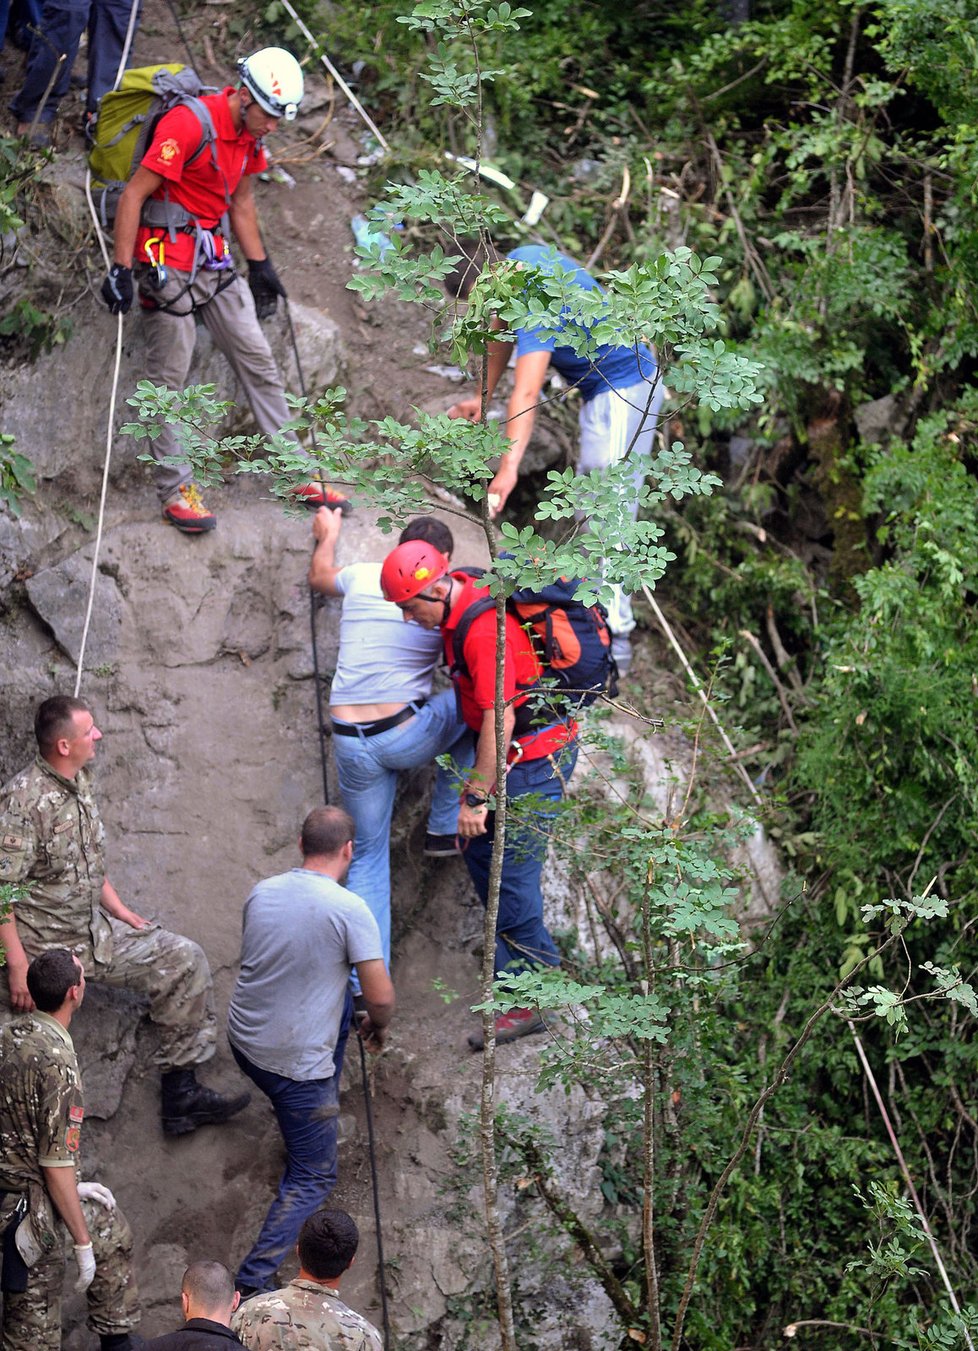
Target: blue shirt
[(609, 367)]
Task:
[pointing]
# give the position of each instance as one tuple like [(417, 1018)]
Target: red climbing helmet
[(410, 568)]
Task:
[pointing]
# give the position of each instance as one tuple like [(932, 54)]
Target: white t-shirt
[(382, 660)]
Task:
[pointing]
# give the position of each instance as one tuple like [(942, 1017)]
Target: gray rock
[(60, 596), (878, 420)]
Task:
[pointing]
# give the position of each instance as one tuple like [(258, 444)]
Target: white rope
[(130, 34), (318, 47), (697, 685), (108, 440)]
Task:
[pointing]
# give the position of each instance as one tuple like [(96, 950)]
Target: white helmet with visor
[(273, 78)]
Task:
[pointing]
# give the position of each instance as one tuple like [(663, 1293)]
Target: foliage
[(31, 330), (16, 474), (798, 229)]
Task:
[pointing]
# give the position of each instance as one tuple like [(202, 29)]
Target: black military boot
[(187, 1104)]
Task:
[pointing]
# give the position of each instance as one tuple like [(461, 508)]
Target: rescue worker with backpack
[(191, 189), (540, 728)]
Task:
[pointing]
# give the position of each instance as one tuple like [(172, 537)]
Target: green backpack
[(123, 130)]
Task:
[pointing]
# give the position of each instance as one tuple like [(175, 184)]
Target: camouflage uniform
[(41, 1115), (51, 839), (304, 1316)]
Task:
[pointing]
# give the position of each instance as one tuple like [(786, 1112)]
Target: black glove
[(265, 286), (117, 289)]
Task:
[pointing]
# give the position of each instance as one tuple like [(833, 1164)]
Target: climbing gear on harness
[(158, 277), (265, 286), (315, 495), (187, 512), (212, 258), (509, 1026), (123, 129), (186, 1104), (273, 78), (409, 568), (117, 289)]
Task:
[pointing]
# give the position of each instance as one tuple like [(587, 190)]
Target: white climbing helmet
[(273, 78)]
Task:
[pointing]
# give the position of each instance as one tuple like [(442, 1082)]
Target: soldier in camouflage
[(41, 1114), (51, 838), (308, 1314)]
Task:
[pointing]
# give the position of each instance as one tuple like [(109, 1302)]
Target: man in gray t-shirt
[(303, 934)]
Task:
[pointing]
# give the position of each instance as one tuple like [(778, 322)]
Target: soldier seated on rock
[(309, 1311), (51, 839)]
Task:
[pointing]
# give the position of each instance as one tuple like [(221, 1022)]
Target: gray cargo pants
[(229, 316)]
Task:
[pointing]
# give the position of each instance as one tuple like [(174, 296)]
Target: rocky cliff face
[(198, 665)]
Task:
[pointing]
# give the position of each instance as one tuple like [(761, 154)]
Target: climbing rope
[(130, 33), (375, 1185)]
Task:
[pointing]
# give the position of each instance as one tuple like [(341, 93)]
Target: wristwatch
[(475, 799)]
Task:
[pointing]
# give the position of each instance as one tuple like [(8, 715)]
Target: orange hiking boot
[(187, 512), (315, 495)]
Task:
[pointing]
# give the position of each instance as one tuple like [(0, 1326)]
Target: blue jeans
[(308, 1115), (62, 24), (367, 768), (522, 938)]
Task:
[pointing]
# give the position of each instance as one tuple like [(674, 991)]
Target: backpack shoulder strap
[(466, 620)]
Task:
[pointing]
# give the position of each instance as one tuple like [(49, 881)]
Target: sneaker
[(621, 651), (314, 495), (187, 512), (509, 1026), (440, 846)]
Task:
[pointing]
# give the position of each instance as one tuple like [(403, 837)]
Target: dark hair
[(49, 978), (476, 257), (208, 1286), (432, 531), (54, 719), (328, 1243), (325, 831)]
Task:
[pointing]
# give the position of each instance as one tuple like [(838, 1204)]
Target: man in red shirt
[(416, 577), (194, 184)]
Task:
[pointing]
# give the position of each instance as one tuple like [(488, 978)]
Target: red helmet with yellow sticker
[(410, 569)]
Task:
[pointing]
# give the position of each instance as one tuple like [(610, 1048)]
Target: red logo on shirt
[(72, 1139), (168, 150)]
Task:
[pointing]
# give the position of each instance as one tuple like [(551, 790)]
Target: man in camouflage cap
[(51, 839), (308, 1314), (41, 1115)]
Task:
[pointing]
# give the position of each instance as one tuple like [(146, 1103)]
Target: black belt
[(381, 725)]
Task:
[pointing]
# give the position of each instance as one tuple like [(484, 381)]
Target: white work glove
[(85, 1257), (94, 1191)]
